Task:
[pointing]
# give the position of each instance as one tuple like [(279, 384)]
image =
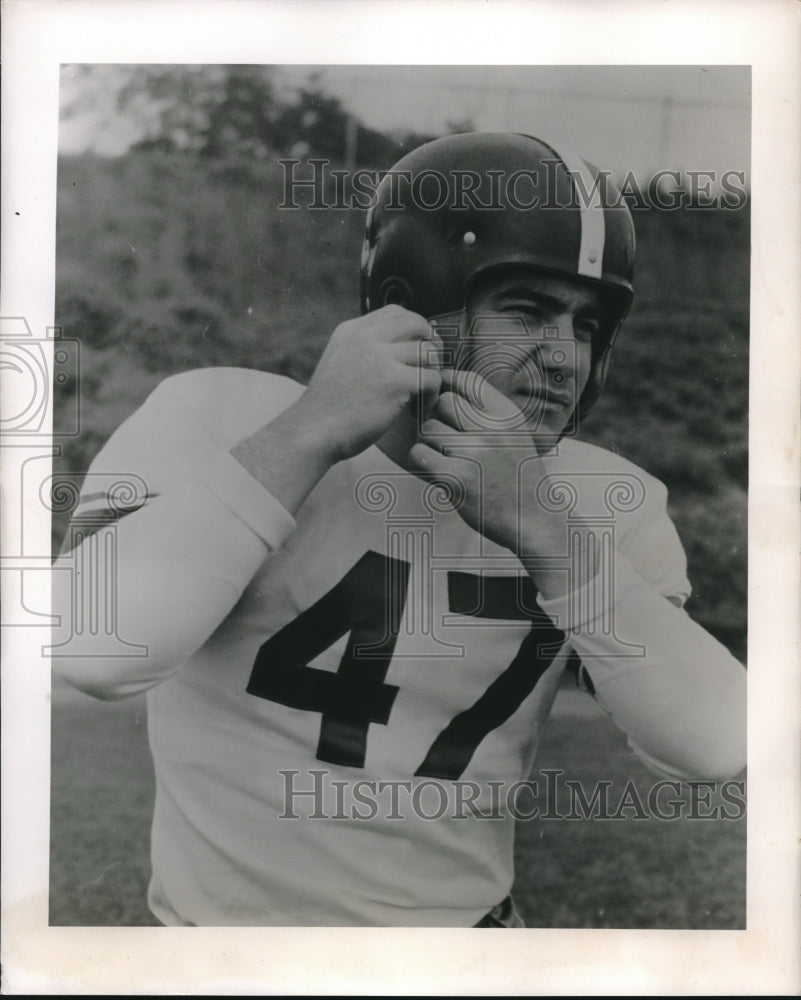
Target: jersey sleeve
[(674, 690), (653, 547), (186, 524)]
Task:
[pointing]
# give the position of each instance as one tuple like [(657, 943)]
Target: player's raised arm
[(674, 690), (184, 549), (677, 693), (371, 369), (227, 456)]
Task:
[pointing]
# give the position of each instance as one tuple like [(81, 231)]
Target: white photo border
[(39, 36)]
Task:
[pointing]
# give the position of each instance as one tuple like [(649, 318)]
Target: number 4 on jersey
[(368, 602)]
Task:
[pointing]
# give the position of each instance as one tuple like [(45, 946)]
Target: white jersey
[(339, 703)]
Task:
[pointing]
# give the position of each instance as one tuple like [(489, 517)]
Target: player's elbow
[(688, 723), (714, 741), (718, 761), (102, 679), (707, 742), (723, 747), (721, 761)]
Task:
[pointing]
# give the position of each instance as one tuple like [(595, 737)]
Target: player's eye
[(533, 316), (585, 328)]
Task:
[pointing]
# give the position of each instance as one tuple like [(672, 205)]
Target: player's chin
[(549, 423), (549, 416)]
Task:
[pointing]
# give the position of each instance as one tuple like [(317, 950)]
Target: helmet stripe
[(593, 226)]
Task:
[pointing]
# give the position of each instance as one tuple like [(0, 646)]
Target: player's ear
[(396, 292)]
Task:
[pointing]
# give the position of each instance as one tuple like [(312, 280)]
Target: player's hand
[(477, 435), (371, 369)]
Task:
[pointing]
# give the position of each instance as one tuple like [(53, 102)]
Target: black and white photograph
[(398, 492), (414, 509)]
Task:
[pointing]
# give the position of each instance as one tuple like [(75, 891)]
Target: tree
[(223, 112)]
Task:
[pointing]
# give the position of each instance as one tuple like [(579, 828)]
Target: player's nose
[(557, 350)]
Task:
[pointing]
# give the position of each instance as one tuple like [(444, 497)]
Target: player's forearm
[(671, 687), (289, 456), (371, 370), (542, 553)]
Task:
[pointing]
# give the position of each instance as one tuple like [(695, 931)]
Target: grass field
[(596, 873), (166, 263)]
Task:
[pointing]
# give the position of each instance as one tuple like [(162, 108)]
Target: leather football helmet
[(460, 205)]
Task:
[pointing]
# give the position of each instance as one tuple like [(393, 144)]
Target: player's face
[(530, 335)]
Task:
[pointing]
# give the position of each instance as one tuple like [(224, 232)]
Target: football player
[(357, 599)]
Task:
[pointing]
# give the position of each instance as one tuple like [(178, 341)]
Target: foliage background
[(175, 256)]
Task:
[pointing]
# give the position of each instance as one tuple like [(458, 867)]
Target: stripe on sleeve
[(93, 513)]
